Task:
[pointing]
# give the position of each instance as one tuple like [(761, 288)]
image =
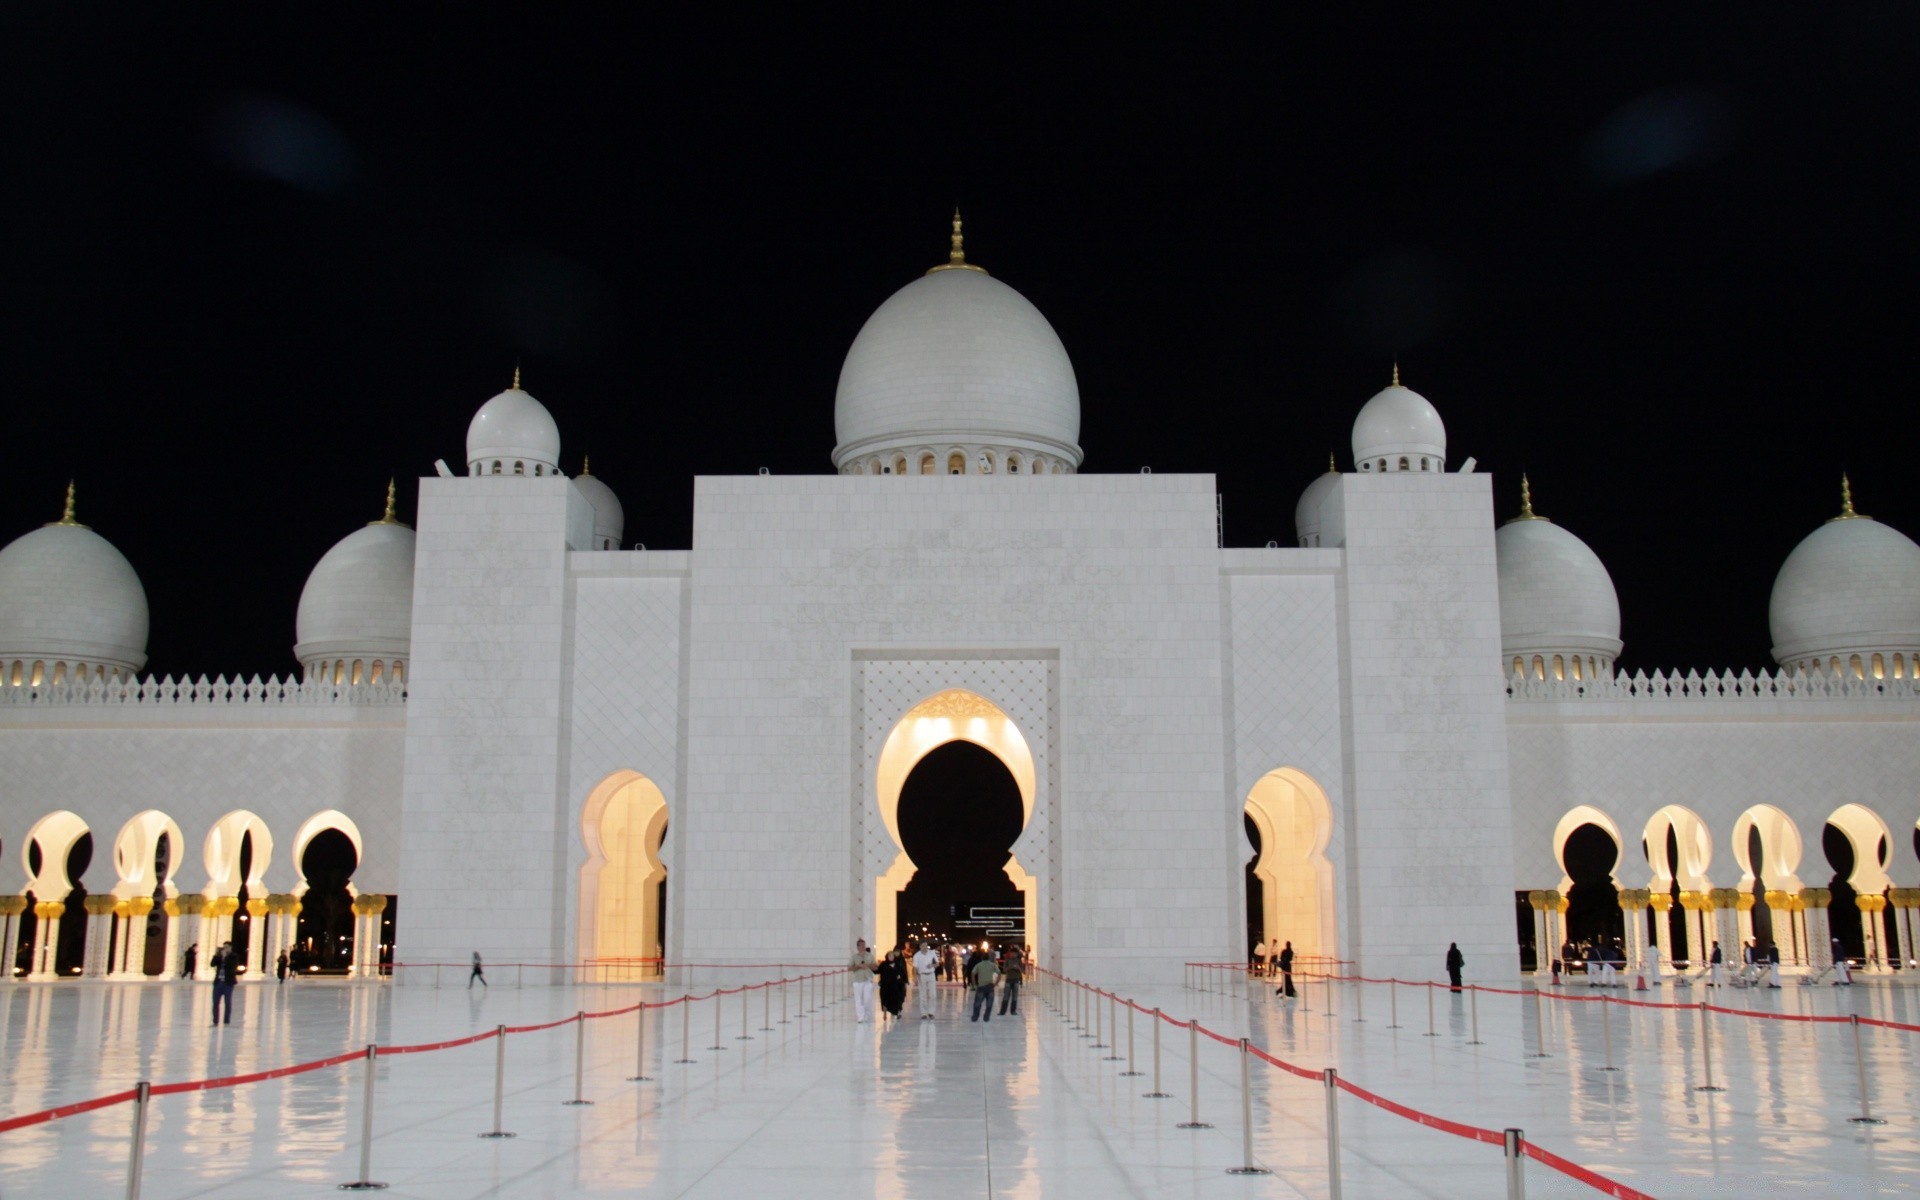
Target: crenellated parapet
[(202, 692), (1661, 685)]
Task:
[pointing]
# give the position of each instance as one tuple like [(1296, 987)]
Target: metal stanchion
[(1193, 1064), (137, 1152), (1516, 1165), (1473, 1000), (1331, 1079), (1330, 985), (1246, 1166), (1081, 1024), (766, 1008), (639, 1048), (1393, 1002), (1539, 1027), (1866, 1116), (1359, 1002), (783, 1003), (686, 1020), (1606, 1030), (1129, 1070), (745, 996), (1706, 1050), (717, 993), (1113, 1023), (579, 1059), (499, 1083), (1098, 1044), (1430, 1030), (1156, 1093), (366, 1182)]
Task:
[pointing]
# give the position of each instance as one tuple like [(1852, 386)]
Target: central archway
[(1290, 825), (623, 882), (949, 716)]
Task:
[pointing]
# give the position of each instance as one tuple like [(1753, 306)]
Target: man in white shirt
[(862, 966), (926, 981)]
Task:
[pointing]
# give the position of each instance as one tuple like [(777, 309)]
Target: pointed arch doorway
[(1290, 880), (623, 882), (953, 715)]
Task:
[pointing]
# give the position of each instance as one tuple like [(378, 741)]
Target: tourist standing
[(862, 966), (1286, 973), (926, 979), (226, 972), (1842, 969), (190, 961), (1773, 964), (476, 973), (1260, 959), (1456, 962), (1713, 966), (280, 967), (1013, 970), (983, 975)]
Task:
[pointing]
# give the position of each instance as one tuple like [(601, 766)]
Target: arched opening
[(1678, 849), (959, 814), (623, 883), (237, 853), (57, 852), (971, 821), (1291, 823), (1766, 847), (144, 857), (956, 463), (324, 930), (1857, 845), (1594, 919)]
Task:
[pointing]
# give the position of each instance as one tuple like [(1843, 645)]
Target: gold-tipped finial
[(389, 517), (66, 516), (1846, 502), (516, 377), (1332, 467), (586, 466), (957, 255), (1526, 501), (1396, 373)]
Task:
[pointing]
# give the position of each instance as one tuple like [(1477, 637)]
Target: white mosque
[(549, 748)]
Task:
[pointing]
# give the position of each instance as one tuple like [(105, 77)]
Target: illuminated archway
[(623, 881), (1678, 850), (951, 715), (146, 854), (49, 853), (1589, 850), (1297, 898)]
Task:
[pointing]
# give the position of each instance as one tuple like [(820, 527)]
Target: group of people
[(984, 972), (1753, 962), (225, 965), (1266, 962)]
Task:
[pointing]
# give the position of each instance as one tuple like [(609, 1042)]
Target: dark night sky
[(256, 264)]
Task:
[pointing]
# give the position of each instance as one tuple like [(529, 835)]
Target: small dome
[(67, 596), (1398, 430), (1848, 595), (1306, 514), (513, 434), (957, 362), (357, 607), (609, 519), (1559, 612)]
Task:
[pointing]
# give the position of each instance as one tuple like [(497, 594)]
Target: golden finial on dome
[(516, 377), (66, 517), (957, 255), (1396, 373), (1846, 502), (1332, 467), (1526, 501), (389, 517), (586, 466)]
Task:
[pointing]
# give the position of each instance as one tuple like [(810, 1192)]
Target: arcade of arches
[(623, 883), (144, 925), (1670, 903)]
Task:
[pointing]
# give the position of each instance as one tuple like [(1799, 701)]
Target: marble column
[(1662, 905), (257, 940), (170, 954), (48, 914), (96, 961), (10, 909), (1819, 931)]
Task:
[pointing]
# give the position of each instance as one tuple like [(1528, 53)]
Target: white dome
[(609, 519), (1557, 601), (358, 602), (1399, 423), (513, 429), (67, 596), (1851, 587), (957, 360), (1306, 514)]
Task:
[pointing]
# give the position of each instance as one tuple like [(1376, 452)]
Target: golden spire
[(586, 466), (516, 377), (1846, 502), (1396, 373), (1332, 467), (66, 517), (388, 518), (1526, 502), (957, 255)]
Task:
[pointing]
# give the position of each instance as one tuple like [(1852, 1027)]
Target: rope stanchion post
[(716, 1021), (1156, 1093), (746, 995), (783, 1003), (579, 1060), (1393, 1002), (1473, 1003), (1515, 1143), (1430, 1029), (1866, 1116), (137, 1152), (1129, 1070), (640, 1047), (1113, 1029), (1359, 1003), (1606, 1030), (1539, 1027), (1098, 1034), (766, 1008), (1247, 1165), (1193, 1072), (366, 1182), (1330, 986), (1331, 1079), (499, 1083), (1706, 1050), (686, 1020)]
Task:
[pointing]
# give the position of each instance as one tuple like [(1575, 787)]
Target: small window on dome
[(16, 674), (1879, 667), (39, 673), (1833, 665), (374, 678), (1425, 464), (900, 465), (1899, 666), (1013, 464), (59, 673), (1559, 667), (1578, 672), (399, 672), (1539, 667), (926, 464), (339, 672), (1519, 666), (956, 463), (519, 468), (496, 466), (1403, 463), (359, 673), (1857, 667), (1038, 465)]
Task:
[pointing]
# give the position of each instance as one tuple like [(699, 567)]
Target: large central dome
[(957, 373)]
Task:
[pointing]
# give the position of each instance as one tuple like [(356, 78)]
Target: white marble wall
[(486, 829), (1428, 839)]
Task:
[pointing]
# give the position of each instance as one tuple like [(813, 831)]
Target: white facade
[(1355, 698)]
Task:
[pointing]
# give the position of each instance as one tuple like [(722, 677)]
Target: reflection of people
[(1012, 969), (1286, 973), (926, 982), (477, 973), (226, 972), (191, 960), (1455, 961), (893, 983), (862, 964), (982, 975), (1842, 969)]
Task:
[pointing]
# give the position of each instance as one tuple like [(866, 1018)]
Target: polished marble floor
[(822, 1106)]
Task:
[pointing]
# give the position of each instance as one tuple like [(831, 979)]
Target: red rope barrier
[(1573, 1170), (67, 1110)]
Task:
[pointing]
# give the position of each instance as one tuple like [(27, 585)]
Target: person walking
[(1713, 966), (226, 972), (190, 961), (983, 974), (892, 975), (280, 966), (1012, 970), (926, 979), (1286, 974), (1260, 959), (476, 973), (1842, 968), (1456, 961), (1773, 964), (862, 966)]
